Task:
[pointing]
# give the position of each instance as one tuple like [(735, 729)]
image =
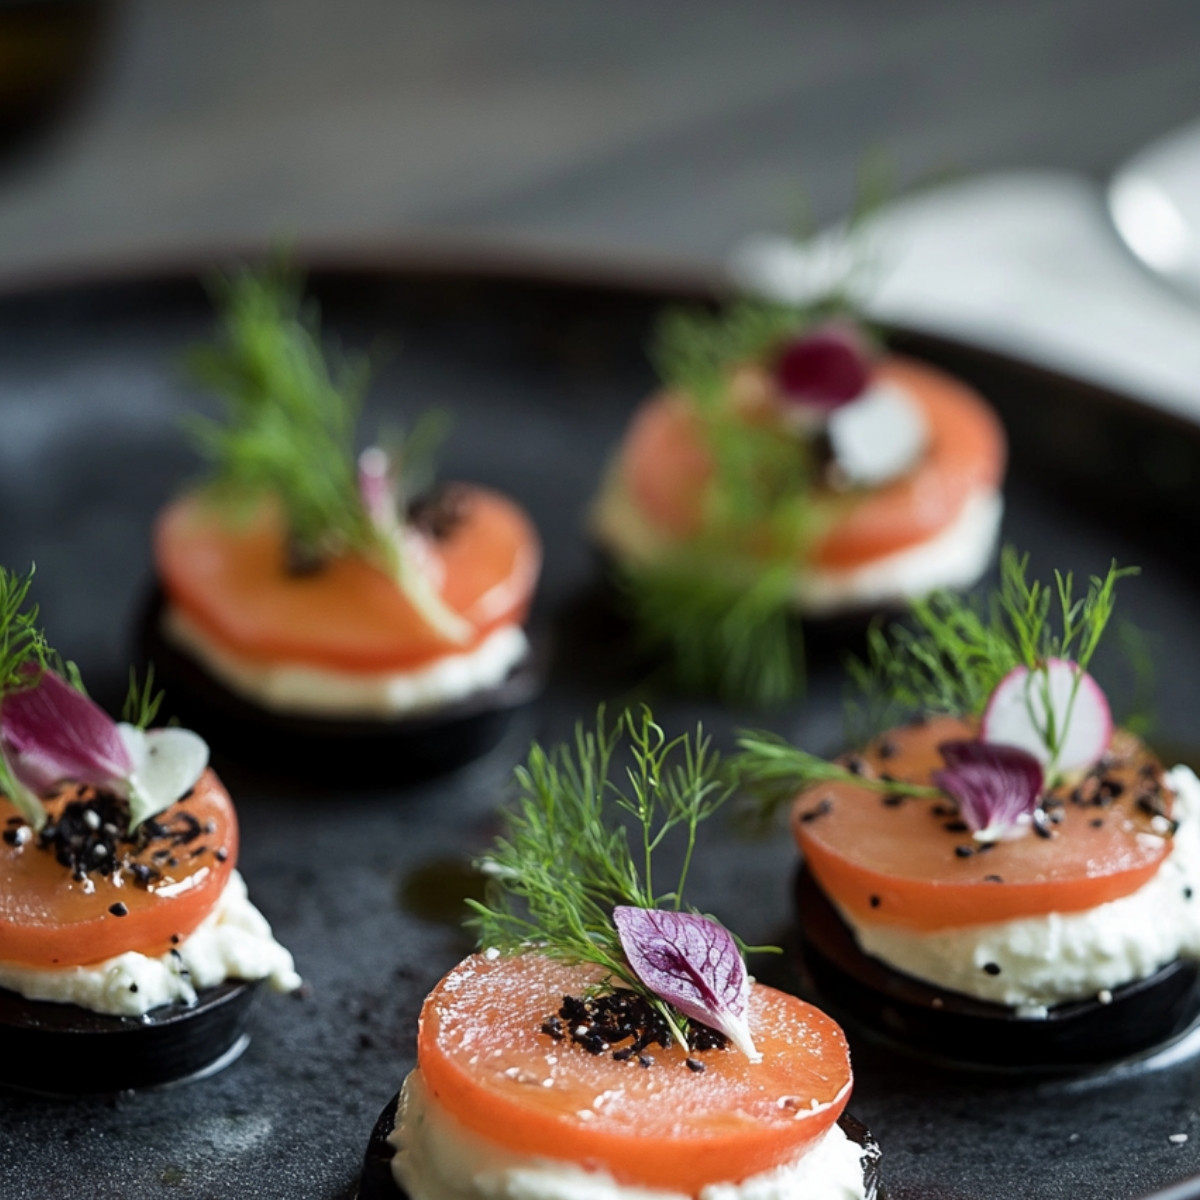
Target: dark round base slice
[(964, 1031), (62, 1049), (352, 749), (377, 1183)]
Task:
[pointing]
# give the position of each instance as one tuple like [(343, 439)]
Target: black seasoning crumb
[(626, 1024), (133, 987), (175, 939), (888, 749), (943, 810), (992, 968), (1041, 824), (221, 854), (439, 512), (875, 901), (856, 765), (955, 826), (964, 851), (1096, 822), (984, 847), (894, 799), (119, 909), (992, 879), (553, 1028), (694, 1064), (1187, 893), (822, 809)]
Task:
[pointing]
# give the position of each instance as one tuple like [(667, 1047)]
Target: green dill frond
[(22, 642), (142, 700), (583, 837), (288, 429), (958, 648), (721, 634), (770, 771)]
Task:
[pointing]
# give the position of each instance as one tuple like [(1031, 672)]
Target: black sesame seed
[(119, 909), (992, 879), (894, 799), (694, 1064), (823, 808), (875, 901), (955, 826), (1096, 822), (992, 968), (221, 854), (888, 748), (1187, 893), (646, 1060), (964, 851)]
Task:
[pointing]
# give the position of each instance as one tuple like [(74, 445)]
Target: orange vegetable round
[(897, 864), (668, 471), (484, 1058), (230, 578), (50, 919)]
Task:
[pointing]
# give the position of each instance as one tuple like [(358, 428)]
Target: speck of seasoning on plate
[(1177, 1139)]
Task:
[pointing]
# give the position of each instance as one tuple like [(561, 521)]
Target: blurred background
[(617, 129)]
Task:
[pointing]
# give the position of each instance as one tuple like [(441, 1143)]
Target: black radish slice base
[(962, 1030), (62, 1049)]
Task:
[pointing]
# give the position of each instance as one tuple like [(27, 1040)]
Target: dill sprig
[(722, 635), (770, 770), (961, 647), (24, 651), (578, 842), (289, 424), (142, 699)]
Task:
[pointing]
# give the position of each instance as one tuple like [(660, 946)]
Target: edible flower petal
[(825, 368), (51, 733), (167, 763), (693, 963), (997, 787)]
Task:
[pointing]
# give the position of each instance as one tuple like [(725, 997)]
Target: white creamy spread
[(437, 1158), (233, 942), (1065, 956), (878, 435), (955, 557), (321, 691)]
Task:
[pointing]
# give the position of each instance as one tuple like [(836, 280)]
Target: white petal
[(134, 740), (880, 435), (174, 760)]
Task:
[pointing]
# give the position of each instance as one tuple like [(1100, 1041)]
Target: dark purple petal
[(997, 787), (693, 964), (825, 368), (51, 734)]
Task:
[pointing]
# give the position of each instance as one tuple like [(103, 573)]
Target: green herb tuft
[(142, 700), (289, 424), (567, 857), (22, 642), (963, 646), (737, 640)]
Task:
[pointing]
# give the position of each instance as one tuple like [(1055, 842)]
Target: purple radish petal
[(1016, 714), (693, 963), (997, 787), (825, 368), (52, 734)]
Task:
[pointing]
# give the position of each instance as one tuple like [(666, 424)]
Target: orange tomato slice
[(484, 1058), (50, 919), (230, 579), (898, 864), (668, 470)]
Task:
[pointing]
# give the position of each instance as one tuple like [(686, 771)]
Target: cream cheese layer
[(299, 688), (437, 1158), (1034, 962), (955, 557), (233, 942)]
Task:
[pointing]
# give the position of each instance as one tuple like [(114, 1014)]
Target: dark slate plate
[(366, 887)]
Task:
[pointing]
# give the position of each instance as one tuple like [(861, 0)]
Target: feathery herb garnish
[(963, 646), (142, 700), (567, 856), (22, 643), (289, 425)]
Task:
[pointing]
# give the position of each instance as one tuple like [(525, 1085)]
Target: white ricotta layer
[(955, 557), (1065, 956), (319, 691), (437, 1158), (233, 942)]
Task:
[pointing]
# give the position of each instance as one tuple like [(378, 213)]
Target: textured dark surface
[(365, 886)]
